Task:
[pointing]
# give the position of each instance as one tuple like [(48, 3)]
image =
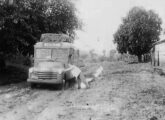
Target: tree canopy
[(23, 21), (138, 31)]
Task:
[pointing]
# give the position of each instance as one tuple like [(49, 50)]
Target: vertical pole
[(151, 56), (154, 59), (158, 59)]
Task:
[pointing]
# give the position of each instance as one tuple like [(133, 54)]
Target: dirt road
[(124, 92)]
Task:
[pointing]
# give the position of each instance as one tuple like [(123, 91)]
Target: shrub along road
[(124, 92)]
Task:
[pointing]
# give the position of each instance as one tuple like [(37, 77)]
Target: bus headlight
[(33, 76)]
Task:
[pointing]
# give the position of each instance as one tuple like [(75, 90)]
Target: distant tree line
[(23, 21)]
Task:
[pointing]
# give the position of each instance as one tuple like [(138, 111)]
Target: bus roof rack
[(53, 37)]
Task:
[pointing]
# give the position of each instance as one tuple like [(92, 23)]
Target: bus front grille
[(47, 75)]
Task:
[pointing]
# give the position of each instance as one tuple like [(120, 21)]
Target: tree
[(23, 21), (138, 31)]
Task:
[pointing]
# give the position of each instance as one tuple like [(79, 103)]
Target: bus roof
[(52, 37)]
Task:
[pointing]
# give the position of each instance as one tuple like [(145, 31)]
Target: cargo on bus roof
[(52, 37)]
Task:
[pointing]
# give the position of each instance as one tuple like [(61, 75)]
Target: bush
[(2, 63), (28, 61), (13, 74), (20, 59)]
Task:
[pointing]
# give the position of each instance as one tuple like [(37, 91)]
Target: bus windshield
[(60, 54), (43, 53), (56, 54)]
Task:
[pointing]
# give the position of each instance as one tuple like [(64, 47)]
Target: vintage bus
[(50, 58)]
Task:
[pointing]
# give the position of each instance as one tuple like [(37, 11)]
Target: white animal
[(98, 72)]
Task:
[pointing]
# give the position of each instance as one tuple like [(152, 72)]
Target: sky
[(102, 18)]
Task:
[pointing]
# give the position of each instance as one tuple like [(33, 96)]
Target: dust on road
[(124, 92)]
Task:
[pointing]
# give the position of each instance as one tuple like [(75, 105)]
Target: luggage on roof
[(52, 37)]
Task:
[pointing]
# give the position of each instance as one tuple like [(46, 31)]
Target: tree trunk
[(140, 58), (9, 2), (158, 59)]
